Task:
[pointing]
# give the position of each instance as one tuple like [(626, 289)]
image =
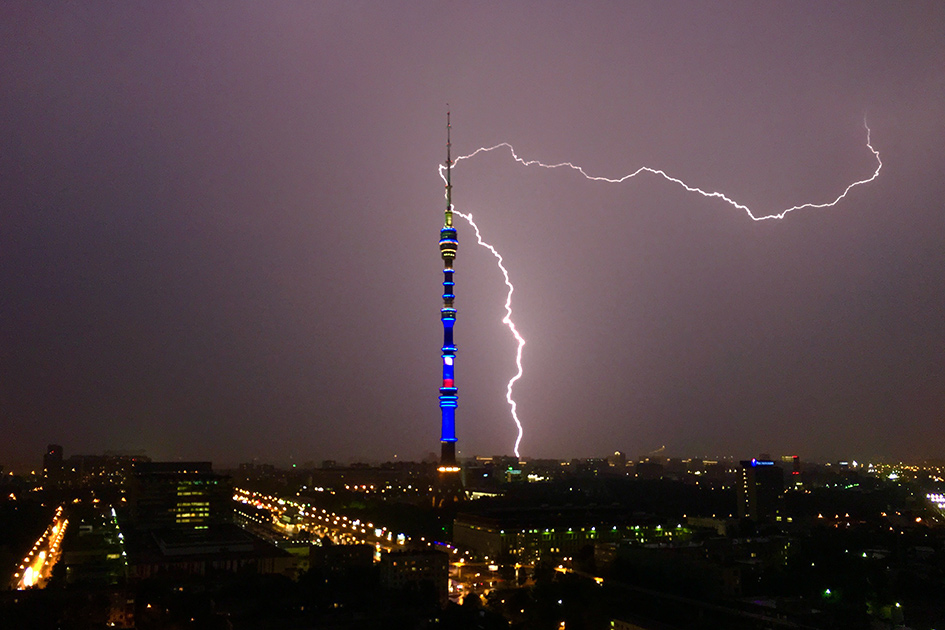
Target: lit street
[(36, 567), (289, 518)]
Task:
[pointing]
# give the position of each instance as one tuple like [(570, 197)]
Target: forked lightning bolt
[(507, 320)]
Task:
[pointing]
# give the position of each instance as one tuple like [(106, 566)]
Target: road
[(290, 517), (36, 567)]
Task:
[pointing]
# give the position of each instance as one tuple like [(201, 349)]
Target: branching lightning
[(507, 320)]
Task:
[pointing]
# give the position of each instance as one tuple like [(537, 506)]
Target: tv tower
[(450, 484)]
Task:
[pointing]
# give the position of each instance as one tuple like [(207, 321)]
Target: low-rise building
[(528, 534), (417, 570)]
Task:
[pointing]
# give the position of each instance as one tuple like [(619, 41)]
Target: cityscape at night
[(683, 368)]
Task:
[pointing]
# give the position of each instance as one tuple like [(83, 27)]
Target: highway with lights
[(288, 518), (36, 567)]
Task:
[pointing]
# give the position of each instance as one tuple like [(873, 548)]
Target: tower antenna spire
[(449, 163)]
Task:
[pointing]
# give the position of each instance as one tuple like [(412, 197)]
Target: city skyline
[(217, 229)]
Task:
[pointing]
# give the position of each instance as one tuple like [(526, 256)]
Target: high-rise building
[(795, 462), (450, 483), (52, 464), (760, 486), (186, 495), (178, 521)]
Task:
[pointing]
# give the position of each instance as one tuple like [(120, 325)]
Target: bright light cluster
[(341, 529), (507, 320), (45, 552)]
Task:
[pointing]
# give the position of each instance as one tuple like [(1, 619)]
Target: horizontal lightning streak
[(507, 320), (664, 175)]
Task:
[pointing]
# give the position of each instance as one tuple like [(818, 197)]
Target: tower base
[(449, 486), (449, 480)]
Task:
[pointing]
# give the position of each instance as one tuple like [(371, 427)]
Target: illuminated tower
[(450, 484)]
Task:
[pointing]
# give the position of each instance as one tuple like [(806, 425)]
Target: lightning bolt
[(507, 320)]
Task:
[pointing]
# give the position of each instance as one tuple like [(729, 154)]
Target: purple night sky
[(220, 223)]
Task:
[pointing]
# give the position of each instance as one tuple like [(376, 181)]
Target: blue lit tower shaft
[(448, 392)]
